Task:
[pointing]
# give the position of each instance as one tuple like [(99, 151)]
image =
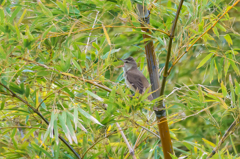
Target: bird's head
[(129, 63)]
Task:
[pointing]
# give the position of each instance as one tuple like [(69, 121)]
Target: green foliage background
[(54, 53)]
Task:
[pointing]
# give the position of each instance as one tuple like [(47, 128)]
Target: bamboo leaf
[(221, 27), (205, 60), (106, 34), (70, 128), (16, 88), (224, 90), (228, 39), (89, 116), (96, 46), (109, 53), (209, 142), (94, 96), (2, 104), (75, 119), (77, 65), (15, 13), (231, 61), (226, 66), (55, 126), (215, 30), (22, 16), (62, 118), (47, 31), (62, 7), (45, 10)]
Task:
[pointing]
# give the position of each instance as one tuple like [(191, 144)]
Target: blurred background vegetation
[(53, 53)]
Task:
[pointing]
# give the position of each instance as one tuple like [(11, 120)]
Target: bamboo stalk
[(153, 73)]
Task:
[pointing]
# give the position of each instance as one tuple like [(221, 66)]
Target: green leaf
[(15, 13), (55, 126), (46, 32), (200, 26), (16, 88), (70, 128), (75, 119), (232, 90), (96, 46), (2, 104), (211, 70), (28, 134), (89, 116), (215, 30), (226, 66), (221, 27), (62, 118), (110, 52), (2, 15), (26, 120), (17, 31), (45, 10), (77, 65), (62, 7), (42, 150), (205, 60), (13, 132), (94, 95), (27, 91), (228, 39), (231, 61), (224, 90)]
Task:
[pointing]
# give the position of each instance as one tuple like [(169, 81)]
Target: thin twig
[(65, 74), (230, 130), (177, 60), (131, 151), (27, 127), (91, 32), (41, 116), (99, 141), (165, 74)]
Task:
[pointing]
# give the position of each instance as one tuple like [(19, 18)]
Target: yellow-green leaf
[(106, 34), (215, 30), (228, 39), (77, 65), (224, 90), (209, 142), (205, 60)]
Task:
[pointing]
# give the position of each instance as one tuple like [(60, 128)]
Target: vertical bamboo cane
[(144, 16)]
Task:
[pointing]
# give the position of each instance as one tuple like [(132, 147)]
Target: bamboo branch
[(65, 74), (131, 151), (90, 29), (229, 131), (177, 60), (41, 116), (27, 127), (165, 74)]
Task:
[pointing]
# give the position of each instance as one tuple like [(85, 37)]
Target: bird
[(134, 78)]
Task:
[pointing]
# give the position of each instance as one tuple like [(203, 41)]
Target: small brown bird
[(134, 78)]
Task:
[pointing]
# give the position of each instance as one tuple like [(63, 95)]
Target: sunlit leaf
[(205, 60), (228, 39), (224, 90), (89, 116)]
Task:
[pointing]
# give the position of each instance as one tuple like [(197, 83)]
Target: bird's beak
[(120, 65), (121, 59)]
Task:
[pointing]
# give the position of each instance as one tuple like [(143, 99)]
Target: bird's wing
[(137, 79)]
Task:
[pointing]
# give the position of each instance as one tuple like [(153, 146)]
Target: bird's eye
[(126, 62)]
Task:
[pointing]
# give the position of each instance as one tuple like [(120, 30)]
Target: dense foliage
[(58, 59)]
